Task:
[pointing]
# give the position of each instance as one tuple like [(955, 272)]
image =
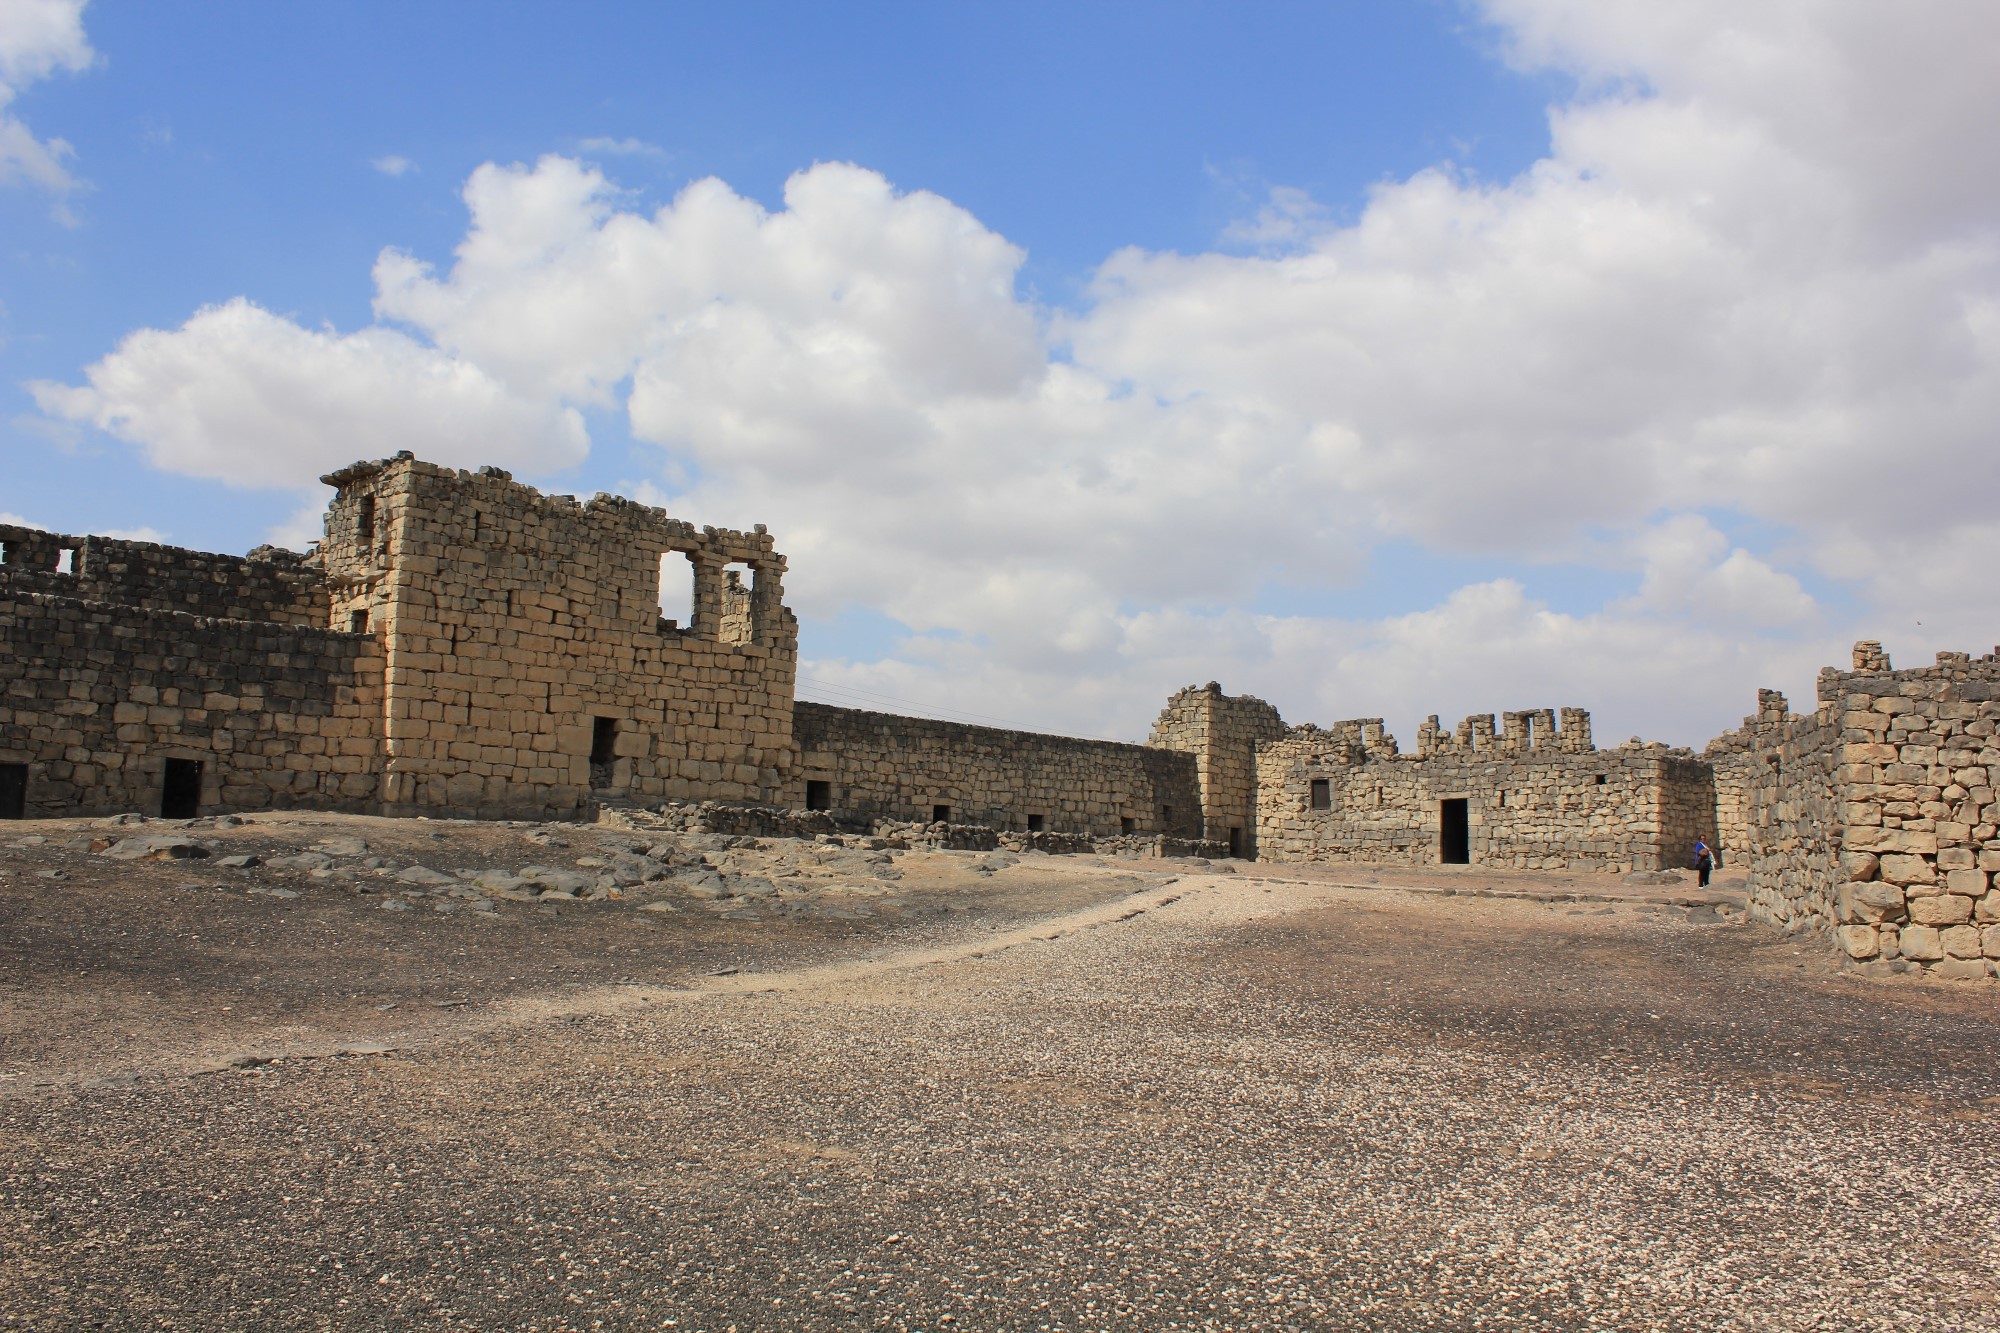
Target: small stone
[(242, 862), (394, 905), (342, 846)]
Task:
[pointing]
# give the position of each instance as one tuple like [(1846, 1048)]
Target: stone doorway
[(180, 789), (1454, 832), (13, 791)]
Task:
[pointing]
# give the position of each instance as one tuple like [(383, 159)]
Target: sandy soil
[(938, 1090)]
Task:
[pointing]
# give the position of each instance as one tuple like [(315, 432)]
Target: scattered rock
[(342, 846), (307, 861), (425, 875), (265, 892), (243, 862), (394, 905), (154, 847)]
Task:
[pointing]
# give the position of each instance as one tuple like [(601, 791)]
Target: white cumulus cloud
[(38, 38), (250, 398), (1752, 286)]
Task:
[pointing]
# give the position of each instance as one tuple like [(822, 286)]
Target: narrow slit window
[(364, 521), (1236, 842), (66, 560), (1166, 816), (1322, 793), (6, 553)]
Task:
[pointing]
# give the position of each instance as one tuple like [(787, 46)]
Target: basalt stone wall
[(878, 766), (531, 670), (270, 585), (1877, 815), (1222, 732), (97, 697), (1530, 801)]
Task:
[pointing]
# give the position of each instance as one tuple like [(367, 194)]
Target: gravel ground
[(1058, 1094)]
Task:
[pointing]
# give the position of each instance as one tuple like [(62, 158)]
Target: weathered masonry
[(1875, 816), (459, 643), (1532, 796)]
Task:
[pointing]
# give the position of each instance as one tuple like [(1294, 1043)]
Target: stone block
[(1920, 943), (1970, 883), (1858, 941), (1940, 909), (1960, 941), (1868, 902), (1904, 868)]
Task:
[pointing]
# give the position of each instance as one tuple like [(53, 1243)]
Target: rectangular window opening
[(1127, 824), (364, 521), (1236, 842), (819, 794), (180, 789), (1322, 793), (676, 591), (1600, 779), (357, 622), (6, 553), (738, 623), (1036, 823), (13, 791), (940, 814), (66, 560), (1500, 799)]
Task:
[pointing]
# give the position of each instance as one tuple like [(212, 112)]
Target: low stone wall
[(97, 697), (274, 585), (1877, 815), (878, 766), (1632, 808), (740, 820)]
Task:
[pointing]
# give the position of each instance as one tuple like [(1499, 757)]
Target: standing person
[(1704, 861)]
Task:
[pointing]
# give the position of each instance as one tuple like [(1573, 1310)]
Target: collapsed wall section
[(1877, 815), (108, 708), (871, 766), (530, 669), (269, 585), (1525, 797)]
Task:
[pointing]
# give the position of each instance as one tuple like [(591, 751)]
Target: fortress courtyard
[(348, 1071)]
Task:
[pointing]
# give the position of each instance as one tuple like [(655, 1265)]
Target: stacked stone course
[(97, 697), (880, 766), (1875, 816)]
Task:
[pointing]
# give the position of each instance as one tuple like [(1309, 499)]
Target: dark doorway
[(1036, 823), (1454, 833), (180, 791), (819, 794), (1127, 824), (603, 749), (940, 814), (1236, 842), (13, 791)]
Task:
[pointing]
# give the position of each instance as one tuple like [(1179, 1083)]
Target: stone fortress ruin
[(461, 645)]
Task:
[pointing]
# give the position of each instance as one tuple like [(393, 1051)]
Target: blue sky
[(1377, 358)]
